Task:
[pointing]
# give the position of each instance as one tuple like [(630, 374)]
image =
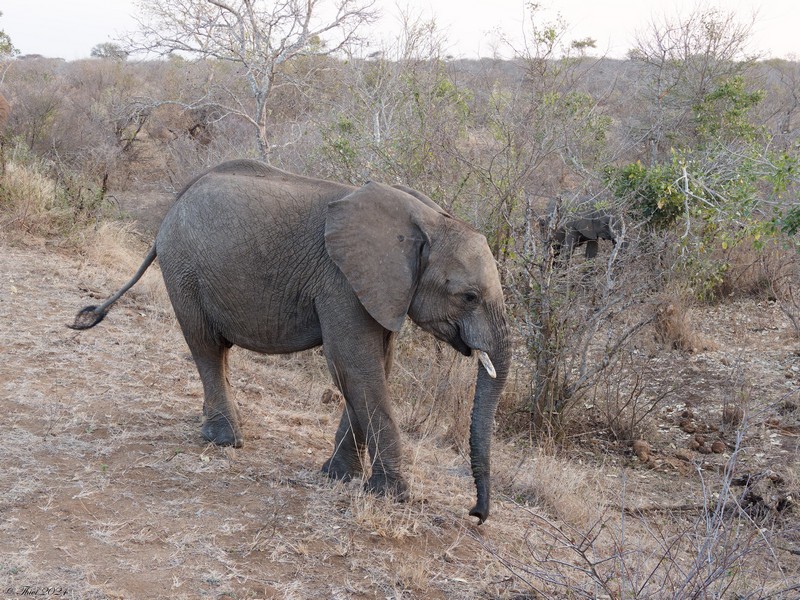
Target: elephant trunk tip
[(480, 510), (88, 317)]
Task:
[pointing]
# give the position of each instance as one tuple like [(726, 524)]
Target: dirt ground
[(107, 489)]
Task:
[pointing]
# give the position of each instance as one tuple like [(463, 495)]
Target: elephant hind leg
[(208, 347), (221, 424)]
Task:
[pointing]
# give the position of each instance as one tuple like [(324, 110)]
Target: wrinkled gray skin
[(273, 262), (584, 224)]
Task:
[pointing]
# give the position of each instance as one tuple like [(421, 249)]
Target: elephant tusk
[(487, 363)]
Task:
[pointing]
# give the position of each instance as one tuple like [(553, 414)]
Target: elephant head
[(403, 255)]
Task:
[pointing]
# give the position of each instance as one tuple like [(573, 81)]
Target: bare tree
[(259, 37), (682, 61)]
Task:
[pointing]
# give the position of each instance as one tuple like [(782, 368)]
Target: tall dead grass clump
[(29, 202), (552, 483), (33, 203), (674, 327)]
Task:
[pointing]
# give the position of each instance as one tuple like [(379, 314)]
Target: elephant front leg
[(379, 445), (350, 450), (383, 441), (359, 370)]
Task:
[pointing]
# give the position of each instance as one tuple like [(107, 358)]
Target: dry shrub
[(617, 549), (748, 268), (29, 202), (33, 203), (434, 387), (674, 327), (781, 266), (753, 271), (625, 402)]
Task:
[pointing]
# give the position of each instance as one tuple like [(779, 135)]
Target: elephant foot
[(222, 431), (384, 485), (337, 467)]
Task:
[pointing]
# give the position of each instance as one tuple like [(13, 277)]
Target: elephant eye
[(470, 297)]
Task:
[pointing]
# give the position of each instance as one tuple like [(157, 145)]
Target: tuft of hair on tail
[(87, 318)]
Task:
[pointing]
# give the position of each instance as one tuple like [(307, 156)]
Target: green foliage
[(653, 193), (339, 146), (6, 47), (723, 188), (402, 125), (790, 222), (724, 113)]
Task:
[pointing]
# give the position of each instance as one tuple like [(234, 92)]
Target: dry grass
[(756, 272), (674, 327), (118, 252), (29, 202), (552, 484)]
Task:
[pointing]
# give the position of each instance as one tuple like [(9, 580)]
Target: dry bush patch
[(109, 490), (674, 328), (28, 202)]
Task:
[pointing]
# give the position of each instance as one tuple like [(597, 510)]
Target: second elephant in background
[(583, 222)]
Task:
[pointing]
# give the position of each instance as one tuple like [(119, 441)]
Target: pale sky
[(71, 28)]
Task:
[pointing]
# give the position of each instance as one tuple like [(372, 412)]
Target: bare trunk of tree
[(263, 140)]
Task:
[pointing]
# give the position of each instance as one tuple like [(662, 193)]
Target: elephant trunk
[(487, 394)]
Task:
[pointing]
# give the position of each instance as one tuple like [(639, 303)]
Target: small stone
[(718, 447), (331, 396)]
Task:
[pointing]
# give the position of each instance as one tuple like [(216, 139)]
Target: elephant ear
[(377, 237), (422, 198)]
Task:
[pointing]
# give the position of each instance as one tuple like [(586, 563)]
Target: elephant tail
[(90, 316)]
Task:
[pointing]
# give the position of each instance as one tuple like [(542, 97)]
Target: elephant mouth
[(451, 334), (462, 348), (483, 358), (457, 342)]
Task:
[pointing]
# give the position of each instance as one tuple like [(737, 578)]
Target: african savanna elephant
[(276, 263), (583, 223)]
